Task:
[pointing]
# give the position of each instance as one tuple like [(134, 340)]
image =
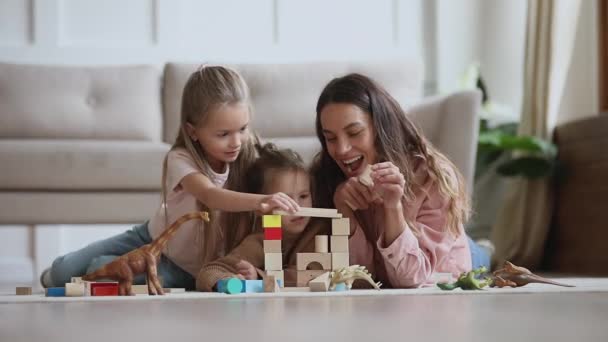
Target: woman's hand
[(246, 270), (277, 201), (352, 194), (389, 181)]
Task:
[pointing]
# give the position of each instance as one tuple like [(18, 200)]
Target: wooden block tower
[(273, 256)]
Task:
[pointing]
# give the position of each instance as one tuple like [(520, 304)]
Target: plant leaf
[(528, 167)]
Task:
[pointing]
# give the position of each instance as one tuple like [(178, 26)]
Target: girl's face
[(223, 134), (295, 184), (349, 136)]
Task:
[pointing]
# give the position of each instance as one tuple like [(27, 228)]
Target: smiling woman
[(408, 224)]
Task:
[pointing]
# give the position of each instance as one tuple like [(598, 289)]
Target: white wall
[(154, 31)]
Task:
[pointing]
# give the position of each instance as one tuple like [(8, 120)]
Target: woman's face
[(349, 137)]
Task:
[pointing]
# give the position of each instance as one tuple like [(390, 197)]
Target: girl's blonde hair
[(397, 140), (207, 89)]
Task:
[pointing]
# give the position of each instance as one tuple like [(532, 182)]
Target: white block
[(339, 260), (340, 226), (321, 244), (273, 261), (74, 289), (339, 244)]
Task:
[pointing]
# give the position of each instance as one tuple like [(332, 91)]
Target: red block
[(273, 233), (104, 289)]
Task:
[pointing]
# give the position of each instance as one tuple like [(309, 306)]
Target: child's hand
[(277, 201), (353, 194), (389, 181), (246, 270)]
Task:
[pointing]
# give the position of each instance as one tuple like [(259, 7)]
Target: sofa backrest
[(285, 96), (57, 102)]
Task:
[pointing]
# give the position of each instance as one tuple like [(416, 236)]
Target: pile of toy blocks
[(313, 269), (80, 288)]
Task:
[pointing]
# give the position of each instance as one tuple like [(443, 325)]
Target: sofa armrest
[(451, 123)]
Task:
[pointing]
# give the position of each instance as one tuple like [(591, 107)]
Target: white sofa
[(85, 144)]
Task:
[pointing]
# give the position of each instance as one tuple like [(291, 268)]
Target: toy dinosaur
[(468, 281), (142, 260), (349, 274), (516, 276)]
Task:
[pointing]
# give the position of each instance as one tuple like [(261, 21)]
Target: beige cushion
[(80, 165), (20, 207), (451, 123), (285, 95), (114, 102)]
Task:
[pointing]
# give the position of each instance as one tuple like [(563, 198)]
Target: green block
[(271, 221)]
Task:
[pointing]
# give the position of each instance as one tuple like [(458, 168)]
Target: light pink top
[(411, 260), (186, 247)]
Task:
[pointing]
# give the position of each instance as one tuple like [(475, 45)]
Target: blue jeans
[(97, 254), (479, 255)]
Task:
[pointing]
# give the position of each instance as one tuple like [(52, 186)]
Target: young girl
[(275, 171), (208, 159), (408, 225)]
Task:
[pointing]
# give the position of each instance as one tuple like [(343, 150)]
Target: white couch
[(85, 144)]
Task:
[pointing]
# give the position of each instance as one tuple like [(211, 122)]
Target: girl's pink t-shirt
[(185, 248)]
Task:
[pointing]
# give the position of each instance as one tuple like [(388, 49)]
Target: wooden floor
[(426, 318)]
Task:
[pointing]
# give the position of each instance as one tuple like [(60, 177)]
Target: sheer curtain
[(521, 227)]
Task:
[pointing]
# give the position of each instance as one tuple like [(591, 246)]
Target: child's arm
[(214, 197), (251, 250)]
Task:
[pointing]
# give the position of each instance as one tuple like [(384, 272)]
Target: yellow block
[(271, 221)]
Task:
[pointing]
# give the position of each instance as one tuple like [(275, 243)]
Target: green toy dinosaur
[(468, 281)]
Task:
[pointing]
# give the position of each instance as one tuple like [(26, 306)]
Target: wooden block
[(54, 292), (175, 290), (272, 246), (278, 275), (365, 177), (340, 226), (23, 291), (339, 244), (304, 277), (339, 260), (273, 261), (271, 221), (321, 244), (312, 212), (77, 280), (140, 289), (104, 289), (271, 284), (254, 286), (273, 233), (87, 287), (304, 261), (295, 289), (320, 283), (74, 289)]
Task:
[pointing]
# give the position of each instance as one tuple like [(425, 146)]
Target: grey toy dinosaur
[(516, 276), (349, 274)]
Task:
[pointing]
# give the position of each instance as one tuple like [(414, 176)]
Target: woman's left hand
[(388, 181)]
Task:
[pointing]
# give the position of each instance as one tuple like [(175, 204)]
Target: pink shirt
[(411, 260), (185, 248)]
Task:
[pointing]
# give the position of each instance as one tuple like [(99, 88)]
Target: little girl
[(207, 161), (276, 170)]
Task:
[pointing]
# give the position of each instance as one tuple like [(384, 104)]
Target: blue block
[(230, 286), (55, 292), (340, 287), (253, 286)]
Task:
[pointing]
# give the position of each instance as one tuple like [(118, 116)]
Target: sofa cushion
[(81, 165), (285, 95), (53, 102)]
